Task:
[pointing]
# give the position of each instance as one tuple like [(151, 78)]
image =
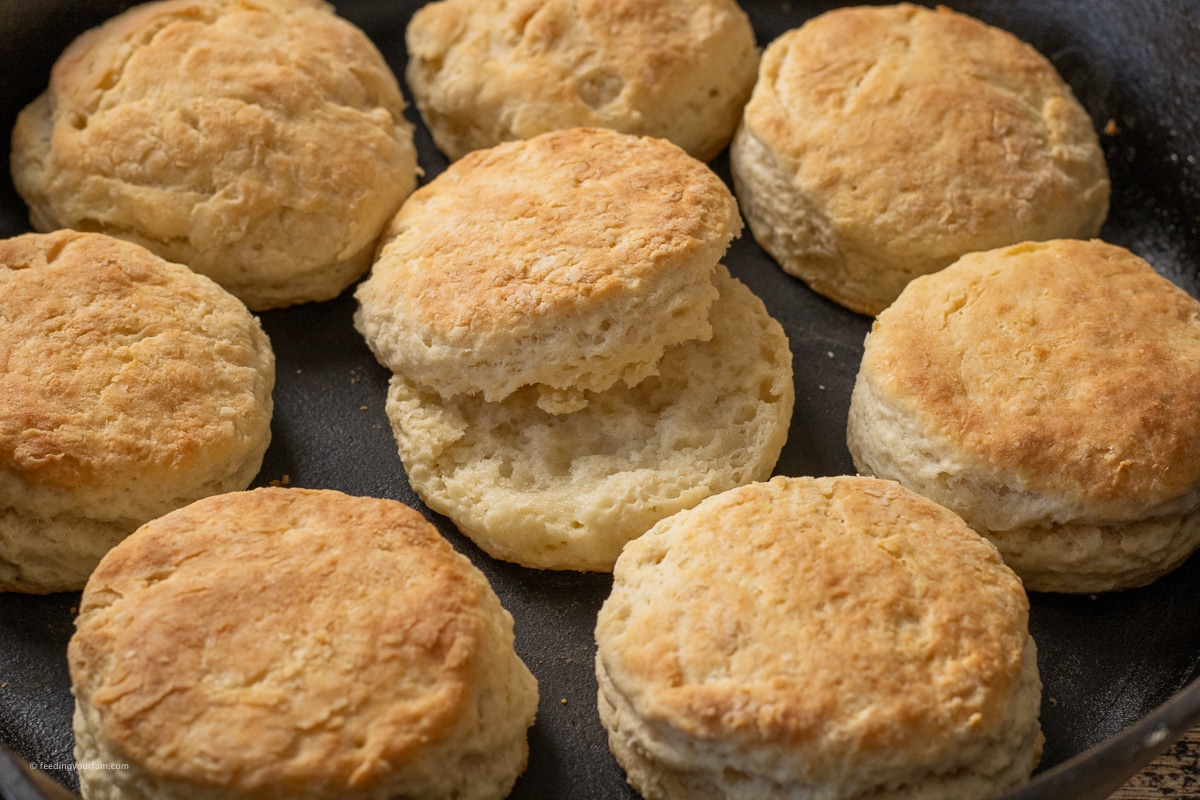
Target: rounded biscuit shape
[(129, 386), (571, 260), (882, 143), (296, 643), (841, 638), (482, 73), (567, 491), (1049, 393), (262, 144)]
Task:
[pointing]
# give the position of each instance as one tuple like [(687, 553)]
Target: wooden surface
[(1175, 774)]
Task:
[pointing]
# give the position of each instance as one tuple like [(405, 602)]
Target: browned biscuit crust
[(832, 637), (882, 143), (308, 644), (1038, 387), (262, 144), (128, 386), (487, 71), (571, 260)]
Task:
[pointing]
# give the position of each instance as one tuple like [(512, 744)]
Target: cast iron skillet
[(1118, 669)]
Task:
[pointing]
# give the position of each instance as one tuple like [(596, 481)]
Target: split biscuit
[(482, 73), (301, 644), (882, 143), (262, 144), (567, 491), (129, 386), (841, 638), (1049, 393), (569, 261)]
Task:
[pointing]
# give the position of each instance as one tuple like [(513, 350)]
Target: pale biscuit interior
[(567, 491)]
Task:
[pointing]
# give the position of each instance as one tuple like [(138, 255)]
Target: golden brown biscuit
[(301, 644), (567, 491), (841, 638), (487, 71), (1050, 394), (882, 143), (262, 144), (129, 386), (570, 261)]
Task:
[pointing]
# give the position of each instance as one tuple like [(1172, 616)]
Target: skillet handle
[(19, 782)]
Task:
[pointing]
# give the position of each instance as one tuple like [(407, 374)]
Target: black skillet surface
[(1117, 669)]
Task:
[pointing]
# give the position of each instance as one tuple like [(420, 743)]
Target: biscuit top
[(285, 640), (1066, 368), (117, 366), (572, 259), (245, 140), (485, 71), (926, 134), (818, 617)]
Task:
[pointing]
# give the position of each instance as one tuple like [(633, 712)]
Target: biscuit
[(262, 144), (882, 143), (568, 491), (129, 386), (572, 260), (841, 638), (1048, 393), (482, 73), (295, 643)]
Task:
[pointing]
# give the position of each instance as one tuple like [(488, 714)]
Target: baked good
[(483, 72), (1049, 393), (882, 143), (129, 386), (262, 144), (567, 491), (841, 638), (571, 363), (569, 261), (295, 643)]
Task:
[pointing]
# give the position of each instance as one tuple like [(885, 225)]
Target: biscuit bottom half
[(567, 491)]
